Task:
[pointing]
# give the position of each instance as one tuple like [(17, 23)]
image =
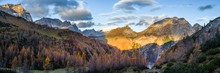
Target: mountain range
[(98, 35), (171, 44), (19, 11), (168, 29), (157, 38), (58, 24)]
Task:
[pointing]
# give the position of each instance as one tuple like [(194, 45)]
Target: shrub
[(213, 51), (4, 25), (188, 68), (212, 65), (7, 71), (169, 64), (201, 58)]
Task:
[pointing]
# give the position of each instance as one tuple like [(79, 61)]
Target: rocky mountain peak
[(197, 27), (16, 10), (168, 29), (194, 45), (17, 7), (92, 32), (174, 20), (214, 23), (123, 31), (170, 26), (127, 27), (56, 23), (50, 22), (161, 32)]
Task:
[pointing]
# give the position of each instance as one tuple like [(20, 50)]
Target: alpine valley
[(53, 45)]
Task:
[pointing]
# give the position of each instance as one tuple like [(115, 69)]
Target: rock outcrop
[(197, 27), (16, 10)]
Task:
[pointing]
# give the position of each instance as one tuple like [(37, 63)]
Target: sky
[(108, 14)]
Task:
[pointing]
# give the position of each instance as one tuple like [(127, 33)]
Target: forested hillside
[(27, 46)]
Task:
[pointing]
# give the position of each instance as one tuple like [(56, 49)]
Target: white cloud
[(202, 19), (155, 8), (130, 23), (66, 9), (122, 17), (115, 22), (148, 19), (38, 11), (142, 18), (83, 23), (132, 5), (71, 13), (106, 29)]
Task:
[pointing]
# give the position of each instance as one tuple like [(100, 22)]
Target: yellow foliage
[(46, 63), (47, 60), (14, 62)]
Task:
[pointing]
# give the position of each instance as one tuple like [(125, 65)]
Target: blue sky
[(108, 14)]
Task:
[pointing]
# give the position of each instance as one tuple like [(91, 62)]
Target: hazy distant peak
[(57, 23), (197, 27)]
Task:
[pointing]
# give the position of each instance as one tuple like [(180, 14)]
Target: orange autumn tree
[(14, 62)]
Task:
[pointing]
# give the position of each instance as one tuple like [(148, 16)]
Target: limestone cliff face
[(163, 35), (168, 29), (16, 10)]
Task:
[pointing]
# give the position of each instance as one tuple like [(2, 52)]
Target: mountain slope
[(196, 49), (32, 45), (122, 38), (168, 29), (58, 34)]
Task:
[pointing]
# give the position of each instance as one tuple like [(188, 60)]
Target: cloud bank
[(155, 8), (67, 9), (85, 24), (202, 19), (131, 18), (129, 6)]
